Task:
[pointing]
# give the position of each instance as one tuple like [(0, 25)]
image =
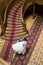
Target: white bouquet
[(20, 47)]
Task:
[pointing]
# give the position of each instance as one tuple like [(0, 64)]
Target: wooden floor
[(37, 55)]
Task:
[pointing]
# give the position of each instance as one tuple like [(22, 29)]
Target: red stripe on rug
[(9, 44), (11, 35)]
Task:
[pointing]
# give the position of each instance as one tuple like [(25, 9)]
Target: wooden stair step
[(11, 13), (12, 16), (18, 15), (10, 29), (14, 7), (16, 37), (21, 28), (10, 19), (16, 25), (17, 21), (10, 23), (16, 32), (15, 16)]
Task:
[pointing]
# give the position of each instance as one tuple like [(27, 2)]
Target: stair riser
[(16, 37), (14, 19), (16, 31), (14, 12), (11, 16), (15, 16), (19, 17), (16, 23), (11, 23), (22, 28), (14, 9), (9, 28)]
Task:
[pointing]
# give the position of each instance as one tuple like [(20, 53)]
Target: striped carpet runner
[(32, 39), (15, 29)]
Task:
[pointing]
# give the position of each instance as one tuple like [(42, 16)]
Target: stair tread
[(8, 34), (16, 36), (14, 23), (9, 29), (17, 31)]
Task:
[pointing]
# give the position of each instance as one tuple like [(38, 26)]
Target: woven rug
[(7, 52), (32, 39)]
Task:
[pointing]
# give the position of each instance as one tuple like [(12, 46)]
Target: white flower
[(20, 47)]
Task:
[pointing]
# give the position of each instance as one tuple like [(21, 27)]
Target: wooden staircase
[(15, 29), (18, 25)]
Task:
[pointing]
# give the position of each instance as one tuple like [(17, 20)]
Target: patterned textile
[(7, 52), (32, 39)]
